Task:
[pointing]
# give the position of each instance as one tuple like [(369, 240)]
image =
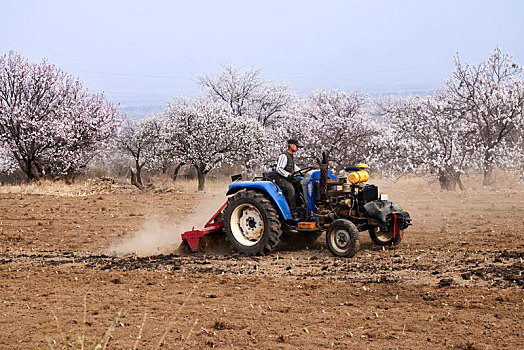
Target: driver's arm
[(281, 164)]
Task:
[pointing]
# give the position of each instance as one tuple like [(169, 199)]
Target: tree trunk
[(26, 168), (459, 182), (488, 176), (38, 171), (201, 178), (177, 169), (447, 182), (31, 170), (134, 180), (70, 177), (488, 168), (139, 172)]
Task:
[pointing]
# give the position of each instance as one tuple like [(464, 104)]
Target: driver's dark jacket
[(286, 165)]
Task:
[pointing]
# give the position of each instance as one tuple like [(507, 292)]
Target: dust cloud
[(159, 237)]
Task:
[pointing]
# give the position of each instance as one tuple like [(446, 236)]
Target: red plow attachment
[(214, 225)]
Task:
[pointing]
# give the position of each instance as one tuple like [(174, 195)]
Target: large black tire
[(343, 238), (382, 238), (251, 223), (301, 240)]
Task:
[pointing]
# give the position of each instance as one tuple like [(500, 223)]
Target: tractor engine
[(350, 198)]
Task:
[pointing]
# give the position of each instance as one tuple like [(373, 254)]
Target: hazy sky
[(141, 52)]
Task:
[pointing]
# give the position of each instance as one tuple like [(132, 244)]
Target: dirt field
[(454, 282)]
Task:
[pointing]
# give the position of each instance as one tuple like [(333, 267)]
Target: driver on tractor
[(285, 180)]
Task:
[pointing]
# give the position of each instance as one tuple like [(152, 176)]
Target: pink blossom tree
[(492, 94), (205, 134), (248, 94), (334, 122), (512, 155), (49, 124), (7, 162), (142, 140), (428, 136), (340, 126)]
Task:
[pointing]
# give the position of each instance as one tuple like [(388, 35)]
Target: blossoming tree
[(492, 94), (428, 136), (143, 141), (205, 134), (49, 124), (248, 94), (334, 122)]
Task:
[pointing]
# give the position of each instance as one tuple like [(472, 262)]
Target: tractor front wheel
[(343, 238), (251, 223)]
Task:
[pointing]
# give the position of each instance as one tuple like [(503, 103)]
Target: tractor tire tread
[(393, 241), (273, 232), (352, 230)]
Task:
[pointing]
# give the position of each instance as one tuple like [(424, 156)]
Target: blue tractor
[(256, 217)]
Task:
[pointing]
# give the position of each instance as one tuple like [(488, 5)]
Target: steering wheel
[(302, 171)]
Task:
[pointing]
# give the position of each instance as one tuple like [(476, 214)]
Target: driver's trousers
[(289, 192)]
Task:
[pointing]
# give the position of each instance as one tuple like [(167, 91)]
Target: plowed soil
[(70, 264)]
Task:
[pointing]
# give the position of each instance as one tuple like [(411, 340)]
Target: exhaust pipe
[(323, 177)]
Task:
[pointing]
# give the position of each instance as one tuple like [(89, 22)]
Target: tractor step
[(307, 225)]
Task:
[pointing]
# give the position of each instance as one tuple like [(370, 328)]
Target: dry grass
[(60, 188), (88, 187), (47, 187), (166, 184)]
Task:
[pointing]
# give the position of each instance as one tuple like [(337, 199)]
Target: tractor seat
[(270, 175)]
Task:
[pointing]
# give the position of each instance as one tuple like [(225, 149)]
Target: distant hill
[(141, 111)]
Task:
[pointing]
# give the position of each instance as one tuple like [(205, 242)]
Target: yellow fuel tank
[(357, 177)]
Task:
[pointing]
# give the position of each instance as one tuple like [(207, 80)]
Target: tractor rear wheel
[(343, 238), (251, 223), (384, 238)]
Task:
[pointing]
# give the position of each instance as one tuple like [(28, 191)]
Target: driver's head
[(293, 145)]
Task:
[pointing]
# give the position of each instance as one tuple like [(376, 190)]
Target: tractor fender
[(381, 208), (269, 189)]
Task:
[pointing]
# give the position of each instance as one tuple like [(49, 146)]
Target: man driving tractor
[(285, 180)]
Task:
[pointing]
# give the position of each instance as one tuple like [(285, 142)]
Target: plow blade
[(213, 225)]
